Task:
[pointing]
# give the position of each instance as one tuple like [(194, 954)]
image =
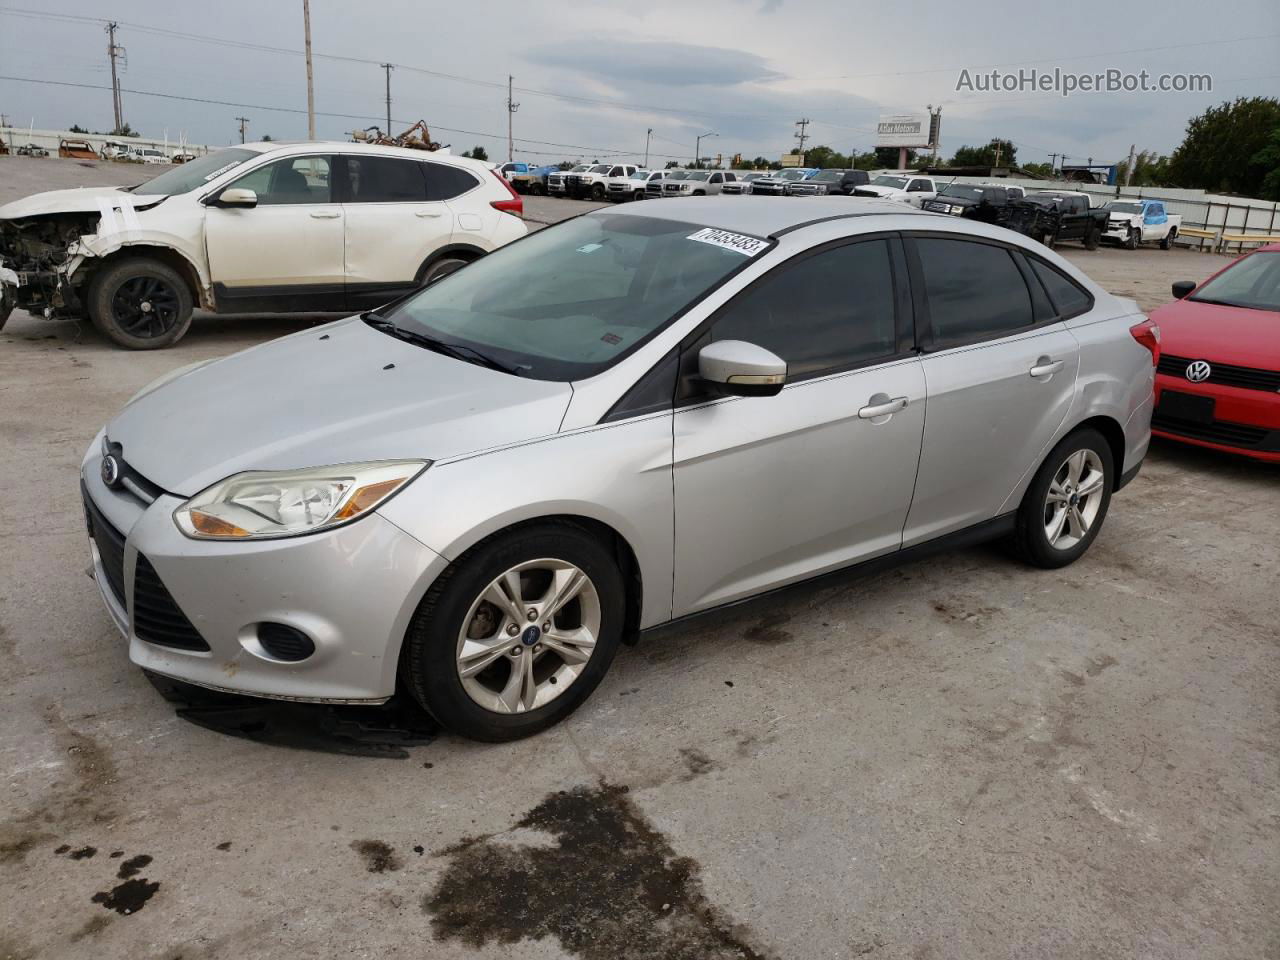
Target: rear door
[(770, 490), (287, 252), (1000, 367), (392, 226)]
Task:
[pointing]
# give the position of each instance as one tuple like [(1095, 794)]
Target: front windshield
[(600, 168), (678, 175), (961, 190), (639, 175), (828, 175), (698, 175), (751, 176), (896, 182), (569, 301), (1117, 207), (580, 168), (1253, 282), (195, 173)]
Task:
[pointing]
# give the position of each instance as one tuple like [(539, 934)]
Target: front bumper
[(1244, 421), (1116, 231), (352, 590)]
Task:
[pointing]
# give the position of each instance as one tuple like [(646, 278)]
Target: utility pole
[(1053, 162), (388, 67), (647, 134), (1128, 170), (697, 148), (113, 51), (311, 94), (512, 107), (802, 134), (999, 146), (243, 121)]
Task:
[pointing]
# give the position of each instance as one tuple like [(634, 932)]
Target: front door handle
[(1046, 368), (325, 214), (882, 409)]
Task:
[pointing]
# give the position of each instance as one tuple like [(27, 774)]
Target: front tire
[(517, 634), (140, 303), (1091, 238), (1131, 240), (597, 192), (1063, 509)]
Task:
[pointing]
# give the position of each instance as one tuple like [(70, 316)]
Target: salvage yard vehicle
[(590, 183), (702, 402), (558, 183), (76, 150), (632, 187), (1057, 216), (1218, 382), (250, 229), (114, 151), (741, 186), (987, 202), (906, 187), (697, 183), (830, 182), (778, 183), (148, 155), (31, 150), (1133, 222)]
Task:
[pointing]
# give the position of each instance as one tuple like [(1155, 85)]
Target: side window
[(291, 180), (717, 178), (445, 182), (729, 178), (975, 290), (827, 310), (1068, 298), (919, 186), (617, 172), (372, 179)]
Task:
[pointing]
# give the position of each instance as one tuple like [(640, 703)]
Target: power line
[(601, 151)]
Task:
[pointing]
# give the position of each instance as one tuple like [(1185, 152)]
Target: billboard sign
[(903, 130), (793, 159)]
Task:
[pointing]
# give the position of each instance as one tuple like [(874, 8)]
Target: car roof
[(347, 146), (763, 216)]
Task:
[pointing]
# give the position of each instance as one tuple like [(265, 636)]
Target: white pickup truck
[(1131, 222)]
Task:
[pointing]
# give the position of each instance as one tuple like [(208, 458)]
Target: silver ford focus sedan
[(476, 493)]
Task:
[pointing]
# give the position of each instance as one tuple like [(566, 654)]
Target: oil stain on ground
[(609, 888), (129, 897), (378, 856)]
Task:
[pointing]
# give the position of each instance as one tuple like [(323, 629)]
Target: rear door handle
[(1046, 368), (882, 409), (428, 213), (325, 214)]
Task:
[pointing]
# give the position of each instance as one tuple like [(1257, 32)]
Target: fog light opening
[(284, 642)]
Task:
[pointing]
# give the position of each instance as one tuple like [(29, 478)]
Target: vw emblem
[(110, 470), (1198, 371)]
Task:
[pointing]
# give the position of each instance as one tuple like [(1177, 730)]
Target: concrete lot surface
[(960, 758)]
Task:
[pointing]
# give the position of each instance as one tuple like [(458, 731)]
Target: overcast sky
[(744, 69)]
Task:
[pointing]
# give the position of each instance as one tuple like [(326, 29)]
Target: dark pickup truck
[(988, 203), (1054, 217)]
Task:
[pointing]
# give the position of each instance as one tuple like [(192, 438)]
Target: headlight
[(263, 505), (957, 211)]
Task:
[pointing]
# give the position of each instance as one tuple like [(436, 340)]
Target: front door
[(771, 490), (288, 252), (1001, 378)]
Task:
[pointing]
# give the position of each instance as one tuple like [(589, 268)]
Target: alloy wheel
[(145, 307), (528, 636), (1074, 498)]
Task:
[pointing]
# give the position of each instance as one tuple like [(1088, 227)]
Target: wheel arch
[(1113, 433), (463, 251), (166, 255)]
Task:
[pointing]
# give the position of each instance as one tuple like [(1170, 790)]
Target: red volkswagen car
[(1218, 379)]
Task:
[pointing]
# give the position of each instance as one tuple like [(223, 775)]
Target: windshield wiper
[(456, 350)]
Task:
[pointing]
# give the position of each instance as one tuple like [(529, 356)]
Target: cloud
[(656, 62)]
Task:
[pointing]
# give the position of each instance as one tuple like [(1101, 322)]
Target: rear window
[(1067, 296)]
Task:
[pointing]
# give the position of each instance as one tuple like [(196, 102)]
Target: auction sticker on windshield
[(740, 243)]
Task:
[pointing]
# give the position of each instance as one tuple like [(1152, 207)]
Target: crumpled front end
[(39, 256)]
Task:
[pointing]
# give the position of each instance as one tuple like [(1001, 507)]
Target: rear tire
[(438, 645), (1063, 509), (441, 268), (1167, 241), (140, 303)]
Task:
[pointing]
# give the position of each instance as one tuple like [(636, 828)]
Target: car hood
[(78, 200), (1207, 331), (341, 393), (882, 191)]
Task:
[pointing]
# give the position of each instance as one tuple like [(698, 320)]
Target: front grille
[(110, 543), (156, 616), (1219, 431), (1250, 378)]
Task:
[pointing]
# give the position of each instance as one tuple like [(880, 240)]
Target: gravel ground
[(960, 758)]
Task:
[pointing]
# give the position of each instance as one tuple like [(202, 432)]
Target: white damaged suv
[(264, 227)]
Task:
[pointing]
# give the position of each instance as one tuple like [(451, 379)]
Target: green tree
[(76, 128), (1039, 169), (826, 158), (477, 153), (985, 155), (267, 138), (1150, 169), (124, 130), (1225, 147), (1269, 157)]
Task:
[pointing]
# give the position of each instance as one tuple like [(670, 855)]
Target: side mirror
[(1183, 288), (237, 197), (740, 369)]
